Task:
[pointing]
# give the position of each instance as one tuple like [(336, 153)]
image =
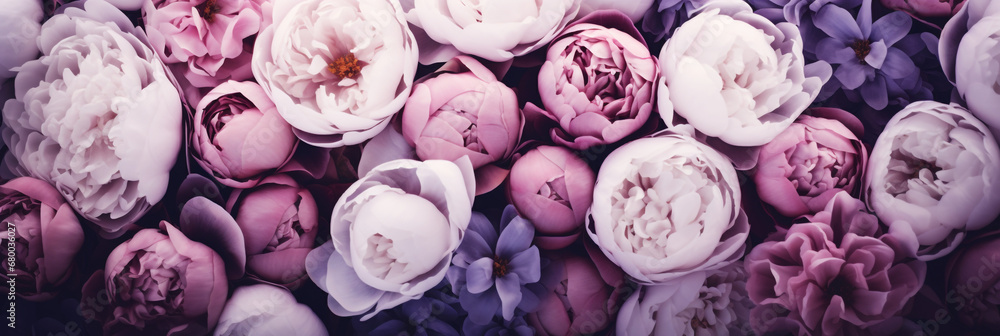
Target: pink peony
[(238, 135), (206, 41), (581, 295), (810, 161), (48, 237)]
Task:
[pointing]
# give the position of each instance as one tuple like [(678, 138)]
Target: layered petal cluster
[(667, 206), (97, 116), (207, 42), (934, 171), (394, 232), (336, 69), (815, 158), (238, 135), (552, 188), (736, 77), (970, 58), (496, 30), (711, 302), (267, 310), (582, 294), (46, 236), (597, 83)]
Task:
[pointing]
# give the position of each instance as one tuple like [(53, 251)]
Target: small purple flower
[(490, 273), (436, 313), (864, 54)]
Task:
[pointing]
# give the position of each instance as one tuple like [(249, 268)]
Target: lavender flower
[(865, 54), (489, 273)]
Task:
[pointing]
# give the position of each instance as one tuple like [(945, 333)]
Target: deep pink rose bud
[(463, 110), (598, 82), (552, 188), (279, 221), (160, 282), (46, 235), (239, 136), (813, 159)]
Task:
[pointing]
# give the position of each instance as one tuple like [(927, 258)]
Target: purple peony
[(489, 272), (816, 281)]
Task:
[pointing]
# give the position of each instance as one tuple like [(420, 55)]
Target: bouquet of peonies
[(500, 167)]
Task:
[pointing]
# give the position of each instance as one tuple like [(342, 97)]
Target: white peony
[(97, 116), (736, 76), (497, 30), (667, 206), (934, 173), (970, 56), (259, 310), (394, 232), (336, 69)]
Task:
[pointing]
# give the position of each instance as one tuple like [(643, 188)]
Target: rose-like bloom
[(463, 110), (491, 29), (490, 272), (279, 221), (20, 24), (972, 281), (926, 9), (47, 237), (239, 136), (667, 206), (597, 83), (814, 281), (393, 235), (582, 294), (968, 47), (206, 41), (162, 281), (700, 303), (934, 171), (737, 77), (633, 9), (552, 188), (267, 310), (336, 69), (97, 116), (813, 159)]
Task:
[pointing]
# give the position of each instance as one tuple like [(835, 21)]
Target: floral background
[(486, 167)]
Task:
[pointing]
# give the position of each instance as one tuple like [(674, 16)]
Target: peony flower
[(208, 42), (813, 282), (20, 24), (667, 206), (493, 30), (926, 9), (490, 273), (267, 310), (239, 136), (934, 172), (813, 159), (336, 69), (125, 5), (738, 77), (97, 116), (969, 58), (463, 110), (279, 221), (161, 282), (633, 9), (700, 303), (552, 188), (436, 313), (581, 294), (394, 232), (597, 82), (47, 237), (972, 281)]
